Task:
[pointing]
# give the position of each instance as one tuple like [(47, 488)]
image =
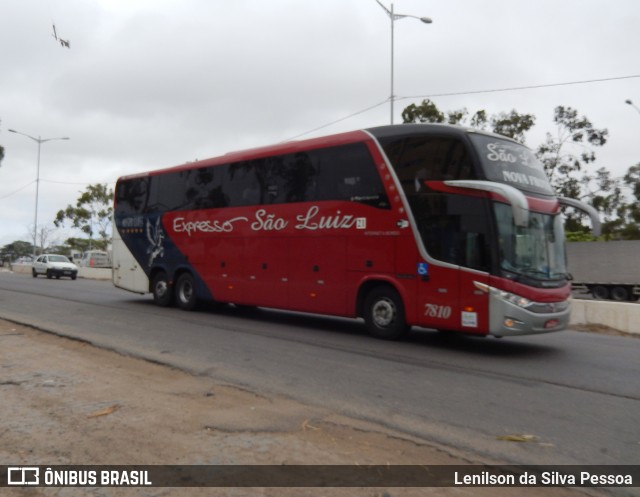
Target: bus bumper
[(508, 319)]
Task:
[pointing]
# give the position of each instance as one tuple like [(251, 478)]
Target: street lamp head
[(426, 20), (12, 131), (626, 102)]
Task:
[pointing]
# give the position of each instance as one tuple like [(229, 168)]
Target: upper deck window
[(508, 162), (427, 157), (345, 172)]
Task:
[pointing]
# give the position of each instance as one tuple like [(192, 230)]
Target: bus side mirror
[(517, 200), (596, 225)]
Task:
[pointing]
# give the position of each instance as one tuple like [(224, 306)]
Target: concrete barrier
[(617, 315), (95, 273), (21, 268)]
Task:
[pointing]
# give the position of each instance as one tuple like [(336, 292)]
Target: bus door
[(225, 271), (455, 233)]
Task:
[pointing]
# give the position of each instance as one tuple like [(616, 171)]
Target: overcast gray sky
[(154, 83)]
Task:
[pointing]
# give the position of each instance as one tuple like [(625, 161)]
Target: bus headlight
[(512, 298)]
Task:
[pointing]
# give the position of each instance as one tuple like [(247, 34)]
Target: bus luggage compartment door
[(267, 271)]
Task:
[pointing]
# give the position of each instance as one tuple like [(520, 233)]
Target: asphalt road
[(577, 393)]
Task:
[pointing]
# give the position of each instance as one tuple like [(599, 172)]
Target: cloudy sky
[(154, 83)]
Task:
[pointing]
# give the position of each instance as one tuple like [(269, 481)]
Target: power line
[(18, 190), (515, 88), (74, 183), (337, 120), (50, 181), (469, 92)]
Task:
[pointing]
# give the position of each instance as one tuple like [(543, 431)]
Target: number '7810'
[(437, 311)]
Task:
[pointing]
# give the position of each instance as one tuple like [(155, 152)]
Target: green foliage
[(17, 249), (426, 112), (570, 150), (511, 124), (83, 244), (580, 236), (91, 214)]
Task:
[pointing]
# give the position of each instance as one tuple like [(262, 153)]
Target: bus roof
[(378, 132)]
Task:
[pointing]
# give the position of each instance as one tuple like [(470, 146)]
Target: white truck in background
[(91, 258), (607, 270)]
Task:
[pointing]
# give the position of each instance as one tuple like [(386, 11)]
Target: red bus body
[(370, 251)]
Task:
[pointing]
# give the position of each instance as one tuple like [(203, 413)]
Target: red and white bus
[(412, 225)]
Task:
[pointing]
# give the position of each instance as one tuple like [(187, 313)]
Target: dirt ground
[(67, 402)]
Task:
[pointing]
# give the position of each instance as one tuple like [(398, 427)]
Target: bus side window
[(241, 185), (132, 195), (453, 228), (204, 191), (349, 173), (299, 176)]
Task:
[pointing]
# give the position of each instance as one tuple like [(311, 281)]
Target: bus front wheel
[(384, 314), (162, 294), (186, 292)]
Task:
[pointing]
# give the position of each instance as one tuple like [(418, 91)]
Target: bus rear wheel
[(186, 292), (162, 294), (384, 314)]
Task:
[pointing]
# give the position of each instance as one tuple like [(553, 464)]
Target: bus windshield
[(535, 251)]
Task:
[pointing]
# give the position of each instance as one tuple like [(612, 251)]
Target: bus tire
[(384, 313), (186, 292), (161, 289)]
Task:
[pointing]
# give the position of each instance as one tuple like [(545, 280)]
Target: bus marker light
[(551, 323), (509, 323), (469, 309)]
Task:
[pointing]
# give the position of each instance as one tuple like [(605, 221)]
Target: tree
[(17, 249), (567, 158), (629, 212), (1, 153), (92, 212), (82, 244), (511, 124)]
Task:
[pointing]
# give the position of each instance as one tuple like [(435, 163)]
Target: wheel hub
[(384, 312), (161, 288)]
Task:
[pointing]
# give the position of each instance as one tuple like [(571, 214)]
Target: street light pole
[(394, 17), (632, 105), (39, 141)]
